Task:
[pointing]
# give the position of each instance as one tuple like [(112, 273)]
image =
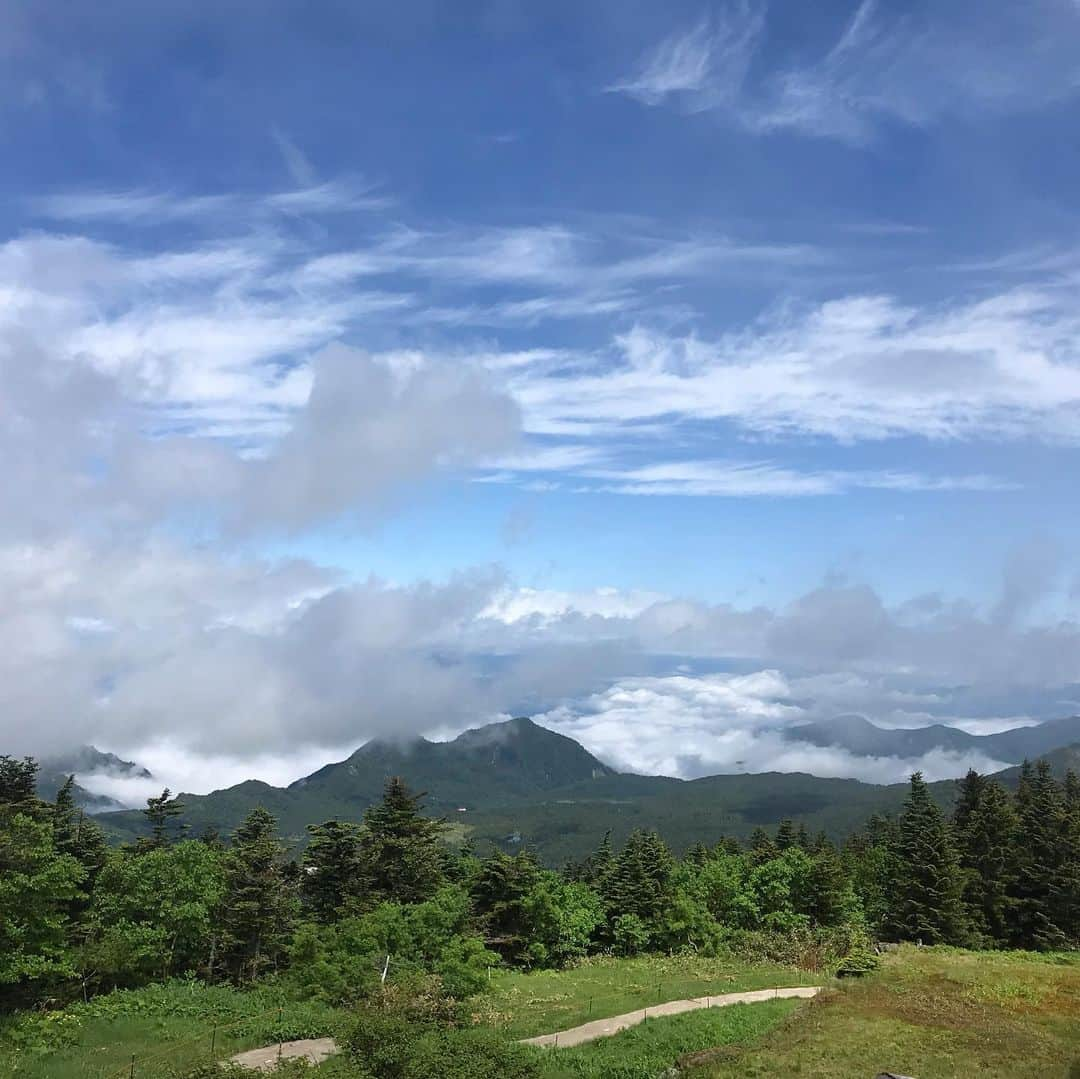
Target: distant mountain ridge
[(82, 762), (521, 784), (495, 763), (859, 736)]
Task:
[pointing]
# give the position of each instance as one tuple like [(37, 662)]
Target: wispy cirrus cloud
[(852, 369), (907, 68), (743, 479)]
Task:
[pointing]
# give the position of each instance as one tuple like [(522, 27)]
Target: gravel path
[(603, 1028), (264, 1060), (318, 1049)]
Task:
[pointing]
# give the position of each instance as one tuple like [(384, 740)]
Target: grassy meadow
[(160, 1027), (550, 1000), (649, 1050), (934, 1013)]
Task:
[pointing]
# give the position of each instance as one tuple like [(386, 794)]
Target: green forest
[(390, 902)]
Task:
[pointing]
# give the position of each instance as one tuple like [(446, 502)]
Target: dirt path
[(264, 1060), (603, 1028), (318, 1049)]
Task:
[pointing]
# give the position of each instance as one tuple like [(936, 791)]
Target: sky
[(670, 373)]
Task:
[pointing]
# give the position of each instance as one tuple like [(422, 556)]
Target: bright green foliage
[(343, 961), (36, 884), (722, 884), (924, 900), (777, 885), (401, 848), (397, 1046), (155, 914), (259, 906)]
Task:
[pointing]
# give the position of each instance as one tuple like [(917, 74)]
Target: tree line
[(389, 896)]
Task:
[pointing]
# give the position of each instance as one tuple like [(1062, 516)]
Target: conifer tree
[(333, 873), (969, 791), (1039, 904), (500, 895), (403, 853), (829, 899), (924, 901), (18, 786), (259, 906), (985, 828), (786, 835), (639, 881), (160, 813), (762, 847)]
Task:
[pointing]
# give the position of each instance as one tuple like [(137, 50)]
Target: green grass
[(545, 1001), (933, 1013), (649, 1050), (160, 1026)]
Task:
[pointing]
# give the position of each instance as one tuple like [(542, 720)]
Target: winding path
[(603, 1028), (318, 1049)]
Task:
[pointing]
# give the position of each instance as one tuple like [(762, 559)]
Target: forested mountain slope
[(520, 784)]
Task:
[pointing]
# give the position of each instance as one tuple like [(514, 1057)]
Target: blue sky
[(723, 304)]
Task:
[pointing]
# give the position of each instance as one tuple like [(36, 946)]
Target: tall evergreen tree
[(924, 901), (1039, 904), (639, 881), (985, 828), (403, 852), (18, 786), (333, 876), (259, 906), (160, 812), (786, 836), (762, 847), (969, 791), (829, 899), (501, 900)]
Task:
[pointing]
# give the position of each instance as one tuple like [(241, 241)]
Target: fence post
[(281, 1032), (132, 1072), (590, 1005), (213, 1041)]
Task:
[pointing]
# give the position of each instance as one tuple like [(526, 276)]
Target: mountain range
[(859, 736), (84, 762), (516, 783)]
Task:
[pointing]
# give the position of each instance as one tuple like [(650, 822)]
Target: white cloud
[(693, 726), (861, 367)]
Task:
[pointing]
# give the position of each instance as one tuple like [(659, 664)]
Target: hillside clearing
[(933, 1013)]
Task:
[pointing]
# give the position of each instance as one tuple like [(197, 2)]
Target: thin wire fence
[(215, 1040)]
